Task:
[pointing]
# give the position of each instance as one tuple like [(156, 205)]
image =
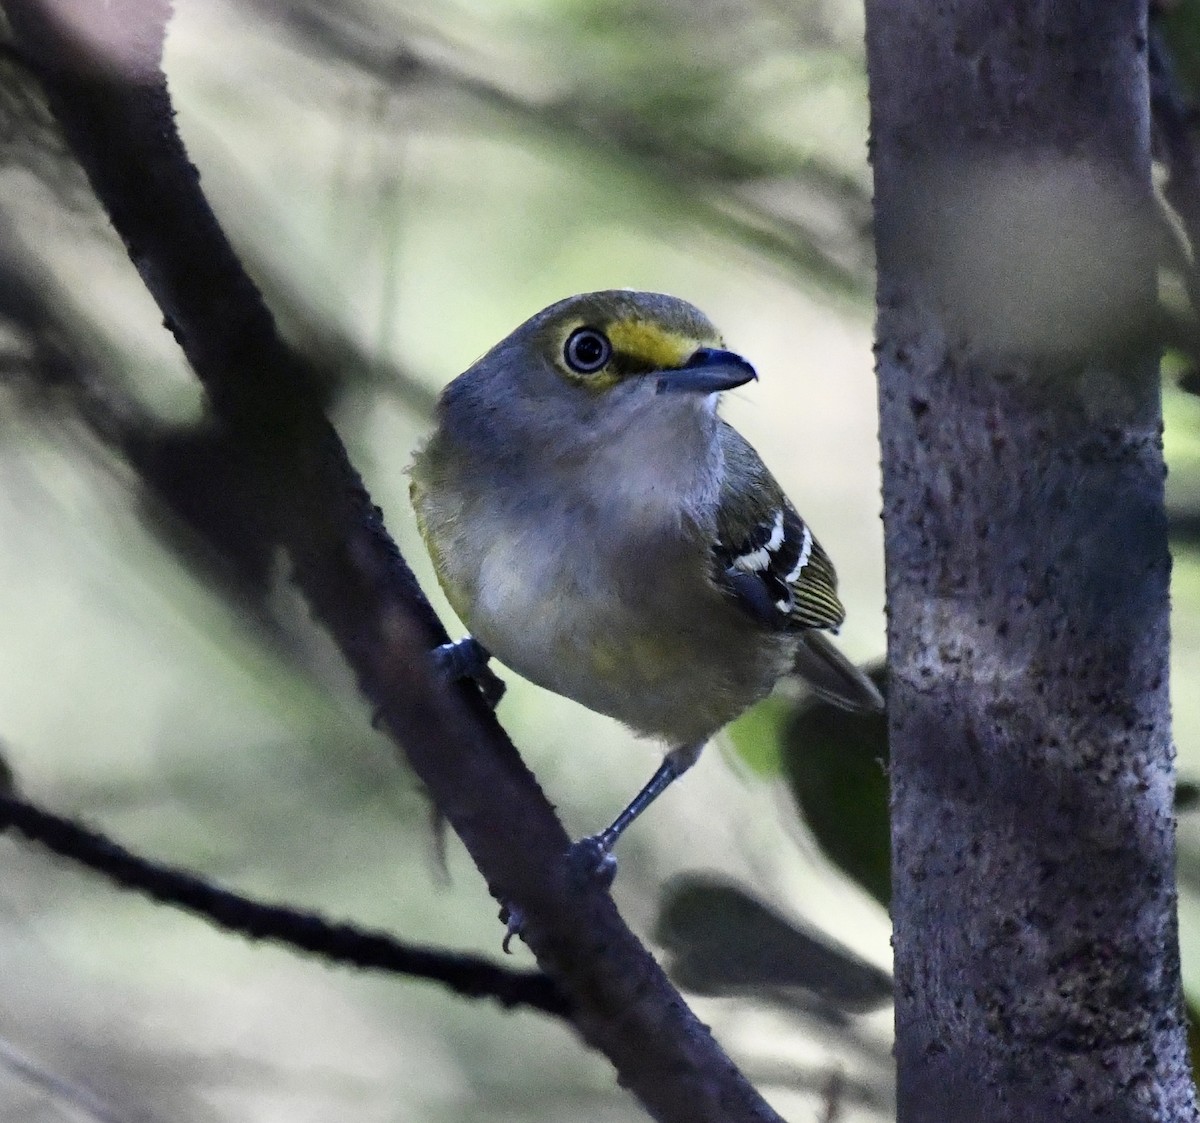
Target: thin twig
[(466, 975), (80, 1100)]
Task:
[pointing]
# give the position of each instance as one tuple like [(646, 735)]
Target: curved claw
[(491, 686), (513, 920)]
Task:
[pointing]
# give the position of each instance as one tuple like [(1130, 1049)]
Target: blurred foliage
[(1179, 22), (1175, 25), (757, 736), (696, 101), (722, 940), (836, 765)]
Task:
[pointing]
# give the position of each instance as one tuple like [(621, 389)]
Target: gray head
[(588, 369)]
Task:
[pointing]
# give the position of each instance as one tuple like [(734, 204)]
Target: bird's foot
[(468, 658), (592, 861)]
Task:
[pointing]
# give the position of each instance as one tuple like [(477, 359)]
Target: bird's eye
[(587, 350)]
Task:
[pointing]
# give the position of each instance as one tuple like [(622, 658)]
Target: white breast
[(550, 591)]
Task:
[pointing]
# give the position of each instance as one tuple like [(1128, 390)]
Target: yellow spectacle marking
[(653, 344)]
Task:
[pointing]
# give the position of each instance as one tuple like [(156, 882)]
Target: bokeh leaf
[(836, 765), (724, 941)]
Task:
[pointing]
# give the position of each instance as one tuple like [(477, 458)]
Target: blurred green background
[(408, 182)]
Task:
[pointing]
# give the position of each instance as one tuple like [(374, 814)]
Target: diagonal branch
[(466, 975), (116, 113)]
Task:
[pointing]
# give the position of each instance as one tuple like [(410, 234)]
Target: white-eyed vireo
[(603, 532)]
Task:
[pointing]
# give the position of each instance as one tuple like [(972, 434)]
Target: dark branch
[(467, 975), (118, 120)]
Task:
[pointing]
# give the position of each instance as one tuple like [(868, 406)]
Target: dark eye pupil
[(587, 350)]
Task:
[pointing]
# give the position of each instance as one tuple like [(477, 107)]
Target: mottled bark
[(1037, 973)]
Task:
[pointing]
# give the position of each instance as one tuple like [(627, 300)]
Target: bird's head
[(593, 365)]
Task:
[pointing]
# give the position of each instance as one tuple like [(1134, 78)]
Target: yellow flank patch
[(651, 343), (646, 657)]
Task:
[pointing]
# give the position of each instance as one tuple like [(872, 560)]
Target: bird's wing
[(765, 557)]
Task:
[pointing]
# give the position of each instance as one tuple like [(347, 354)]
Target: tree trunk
[(1037, 972)]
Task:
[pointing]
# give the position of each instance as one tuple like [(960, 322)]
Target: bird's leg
[(468, 658), (591, 858), (593, 855)]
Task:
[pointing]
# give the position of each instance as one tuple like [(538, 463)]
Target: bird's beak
[(708, 371)]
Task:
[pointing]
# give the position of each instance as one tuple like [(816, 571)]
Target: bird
[(603, 532)]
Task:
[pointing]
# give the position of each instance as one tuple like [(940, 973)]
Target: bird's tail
[(832, 676)]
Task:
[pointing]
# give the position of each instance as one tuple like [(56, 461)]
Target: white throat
[(661, 460)]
